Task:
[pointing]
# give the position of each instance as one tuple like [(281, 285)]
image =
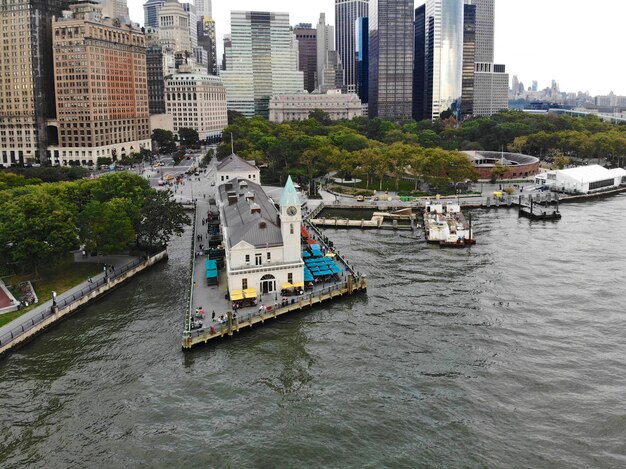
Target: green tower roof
[(290, 195)]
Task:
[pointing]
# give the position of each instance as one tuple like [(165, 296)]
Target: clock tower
[(291, 220)]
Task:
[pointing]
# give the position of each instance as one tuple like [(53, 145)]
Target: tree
[(161, 218), (321, 116), (107, 227), (35, 229), (561, 161), (165, 140), (498, 171), (188, 137)]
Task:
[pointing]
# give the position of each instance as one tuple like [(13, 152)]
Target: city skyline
[(542, 57)]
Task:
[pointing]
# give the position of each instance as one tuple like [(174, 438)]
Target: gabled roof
[(260, 229), (235, 163), (290, 195)]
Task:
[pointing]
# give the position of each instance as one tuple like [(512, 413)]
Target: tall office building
[(261, 62), (307, 54), (469, 59), (207, 40), (204, 8), (175, 28), (102, 91), (391, 42), (151, 13), (325, 44), (444, 57), (361, 30), (115, 9), (227, 41), (419, 68), (156, 77), (346, 14), (26, 79), (193, 23), (488, 76)]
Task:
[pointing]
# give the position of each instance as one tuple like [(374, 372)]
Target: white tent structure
[(582, 180)]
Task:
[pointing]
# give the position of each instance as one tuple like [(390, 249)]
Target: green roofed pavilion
[(290, 195)]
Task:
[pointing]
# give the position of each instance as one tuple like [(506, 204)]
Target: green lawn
[(59, 278), (389, 184)]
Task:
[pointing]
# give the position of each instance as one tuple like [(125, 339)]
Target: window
[(269, 256), (244, 283), (247, 258), (291, 229), (290, 277), (258, 259)]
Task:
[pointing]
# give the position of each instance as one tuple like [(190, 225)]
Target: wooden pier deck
[(227, 329)]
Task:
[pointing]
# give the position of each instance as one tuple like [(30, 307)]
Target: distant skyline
[(579, 47)]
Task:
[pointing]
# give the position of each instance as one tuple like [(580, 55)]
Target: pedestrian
[(261, 308), (213, 315), (84, 253), (88, 279)]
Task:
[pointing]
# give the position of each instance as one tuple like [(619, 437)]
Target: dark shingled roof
[(261, 228), (235, 163)]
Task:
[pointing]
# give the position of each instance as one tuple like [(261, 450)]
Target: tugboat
[(538, 212), (444, 224)]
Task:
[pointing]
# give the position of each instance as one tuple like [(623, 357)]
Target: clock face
[(291, 211)]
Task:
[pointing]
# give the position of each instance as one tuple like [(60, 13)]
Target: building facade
[(156, 79), (262, 244), (307, 54), (262, 61), (419, 68), (391, 42), (101, 88), (27, 96), (151, 13), (444, 57), (115, 9), (196, 101), (325, 44), (235, 167), (204, 8), (298, 106), (469, 59), (175, 27), (361, 31), (207, 40), (346, 14)]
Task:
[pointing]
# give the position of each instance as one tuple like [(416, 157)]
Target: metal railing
[(66, 302)]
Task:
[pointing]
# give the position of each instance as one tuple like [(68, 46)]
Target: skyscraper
[(115, 9), (469, 59), (26, 79), (103, 113), (204, 8), (151, 13), (325, 44), (207, 40), (307, 53), (419, 68), (490, 79), (362, 58), (346, 14), (174, 28), (261, 62), (444, 57), (391, 42)]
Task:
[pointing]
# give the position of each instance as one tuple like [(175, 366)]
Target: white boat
[(444, 224)]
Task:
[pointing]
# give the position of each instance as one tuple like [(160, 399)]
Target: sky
[(577, 43)]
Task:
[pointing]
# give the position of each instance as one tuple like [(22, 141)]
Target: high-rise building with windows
[(207, 40), (156, 77), (115, 9), (362, 58), (391, 43), (204, 8), (102, 92), (325, 44), (27, 97), (151, 13), (469, 59), (488, 76), (175, 28), (307, 53), (346, 14), (444, 57), (261, 62)]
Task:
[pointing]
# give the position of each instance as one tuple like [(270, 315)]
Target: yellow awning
[(236, 297), (250, 292), (286, 286), (299, 284), (331, 254), (236, 292)]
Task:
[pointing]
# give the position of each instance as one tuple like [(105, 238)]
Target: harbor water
[(508, 354)]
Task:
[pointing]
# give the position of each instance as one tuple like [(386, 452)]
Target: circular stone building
[(517, 165)]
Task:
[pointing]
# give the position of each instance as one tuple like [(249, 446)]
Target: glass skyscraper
[(261, 62), (391, 34), (346, 14), (419, 69), (469, 58), (361, 29), (151, 13), (444, 56)]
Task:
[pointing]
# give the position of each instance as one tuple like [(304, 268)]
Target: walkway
[(43, 309)]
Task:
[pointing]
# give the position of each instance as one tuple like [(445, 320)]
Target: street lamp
[(54, 299)]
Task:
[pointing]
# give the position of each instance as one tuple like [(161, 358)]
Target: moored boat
[(444, 224)]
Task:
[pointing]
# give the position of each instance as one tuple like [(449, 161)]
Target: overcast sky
[(578, 43)]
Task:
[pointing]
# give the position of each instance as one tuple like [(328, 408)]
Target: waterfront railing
[(31, 322)]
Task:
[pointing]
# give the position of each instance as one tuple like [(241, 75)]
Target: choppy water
[(508, 355)]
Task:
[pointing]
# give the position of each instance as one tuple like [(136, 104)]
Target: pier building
[(582, 180), (262, 244), (235, 167)]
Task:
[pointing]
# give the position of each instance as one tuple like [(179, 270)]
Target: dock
[(219, 321)]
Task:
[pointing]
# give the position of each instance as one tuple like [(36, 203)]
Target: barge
[(445, 225)]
